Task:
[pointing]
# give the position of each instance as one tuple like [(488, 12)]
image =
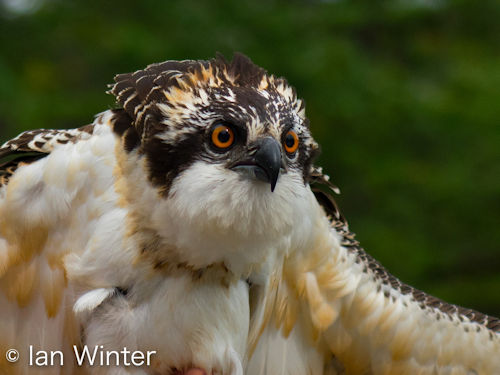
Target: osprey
[(190, 222)]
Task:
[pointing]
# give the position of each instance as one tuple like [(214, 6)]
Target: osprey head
[(225, 146)]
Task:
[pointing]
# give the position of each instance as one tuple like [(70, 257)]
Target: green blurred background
[(402, 95)]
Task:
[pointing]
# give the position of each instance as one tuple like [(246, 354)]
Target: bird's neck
[(167, 238)]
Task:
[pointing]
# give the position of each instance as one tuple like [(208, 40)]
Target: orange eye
[(222, 136), (291, 142)]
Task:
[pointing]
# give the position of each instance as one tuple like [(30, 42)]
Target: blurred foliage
[(402, 95)]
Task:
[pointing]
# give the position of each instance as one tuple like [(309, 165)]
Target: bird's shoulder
[(361, 299), (33, 145), (349, 305), (58, 206), (324, 192)]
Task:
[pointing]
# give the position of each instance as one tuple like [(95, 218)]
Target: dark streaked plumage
[(32, 145), (232, 94), (144, 202), (378, 271)]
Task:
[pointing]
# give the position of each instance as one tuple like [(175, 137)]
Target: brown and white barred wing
[(33, 145), (44, 140), (58, 187), (333, 309), (387, 327)]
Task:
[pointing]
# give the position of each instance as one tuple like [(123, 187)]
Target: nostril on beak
[(264, 161)]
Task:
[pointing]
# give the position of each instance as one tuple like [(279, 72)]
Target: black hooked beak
[(264, 161)]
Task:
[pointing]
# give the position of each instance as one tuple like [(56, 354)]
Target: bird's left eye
[(222, 136), (291, 142)]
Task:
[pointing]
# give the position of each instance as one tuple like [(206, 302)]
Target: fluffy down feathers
[(137, 232)]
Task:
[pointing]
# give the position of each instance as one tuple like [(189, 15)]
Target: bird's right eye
[(222, 136)]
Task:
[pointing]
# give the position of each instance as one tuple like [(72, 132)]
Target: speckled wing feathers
[(320, 185), (318, 297), (33, 145), (346, 305)]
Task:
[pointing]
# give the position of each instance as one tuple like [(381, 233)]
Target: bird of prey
[(191, 223)]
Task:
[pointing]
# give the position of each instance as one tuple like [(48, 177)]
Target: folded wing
[(333, 309), (53, 192)]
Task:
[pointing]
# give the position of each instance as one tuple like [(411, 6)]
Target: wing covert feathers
[(380, 274), (49, 207), (342, 301), (33, 145)]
